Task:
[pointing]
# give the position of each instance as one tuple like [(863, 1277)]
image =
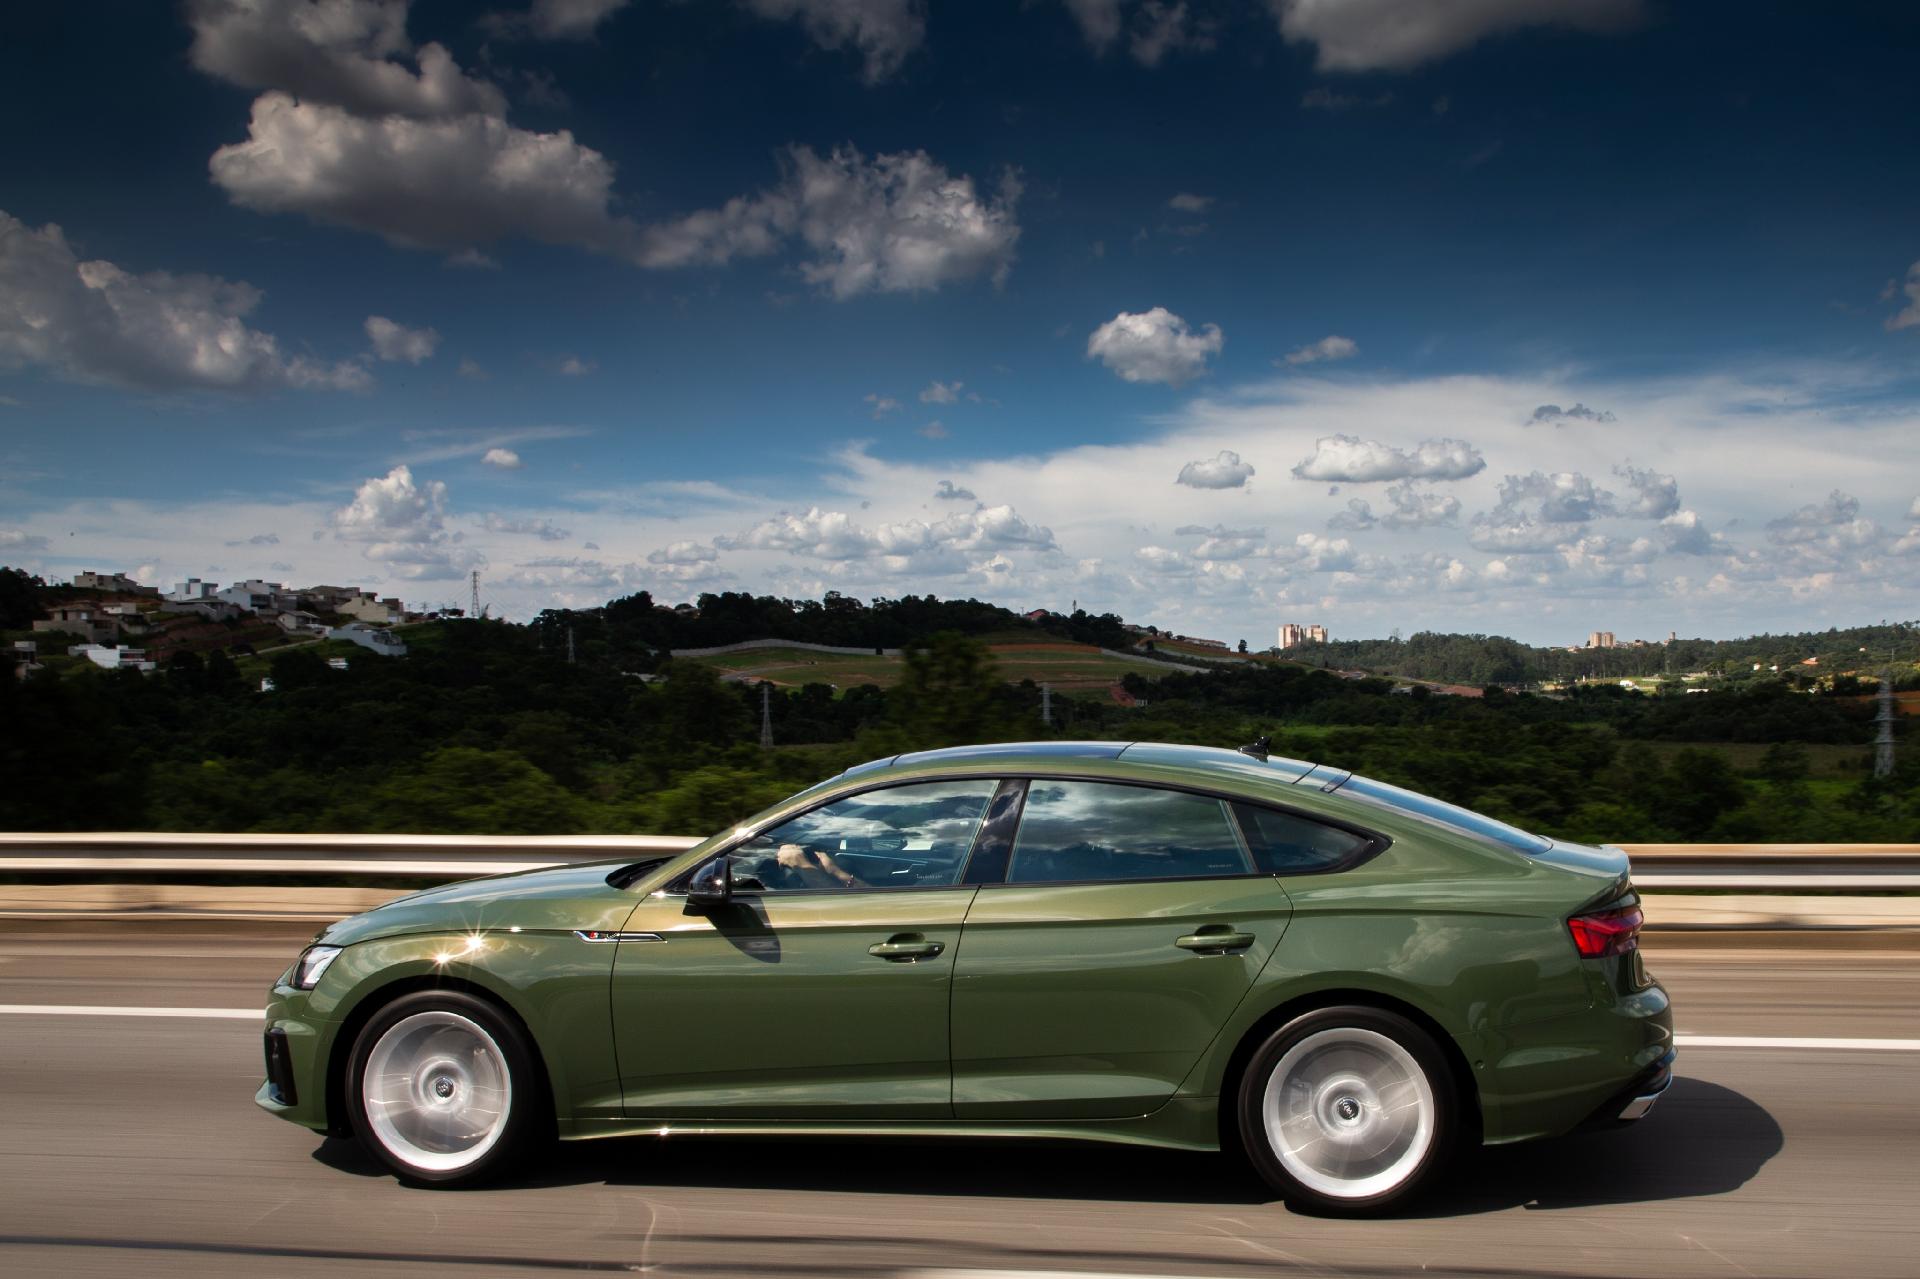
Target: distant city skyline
[(1528, 320)]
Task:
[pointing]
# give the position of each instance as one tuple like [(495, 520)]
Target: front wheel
[(443, 1088), (1348, 1110)]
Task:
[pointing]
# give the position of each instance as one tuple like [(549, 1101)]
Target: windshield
[(1452, 815)]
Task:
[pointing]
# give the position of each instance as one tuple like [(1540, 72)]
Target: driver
[(815, 867)]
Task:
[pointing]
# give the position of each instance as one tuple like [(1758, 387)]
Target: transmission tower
[(766, 716), (474, 611), (1883, 742), (570, 646), (1046, 705)]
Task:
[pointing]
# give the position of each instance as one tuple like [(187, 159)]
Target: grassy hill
[(1068, 668)]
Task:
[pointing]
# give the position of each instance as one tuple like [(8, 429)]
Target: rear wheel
[(1348, 1109), (443, 1088)]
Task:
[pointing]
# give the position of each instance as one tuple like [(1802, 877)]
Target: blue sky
[(1218, 314)]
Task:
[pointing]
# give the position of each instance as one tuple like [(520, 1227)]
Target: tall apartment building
[(1293, 635), (1600, 639)]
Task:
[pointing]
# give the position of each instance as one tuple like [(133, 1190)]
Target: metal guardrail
[(1745, 868)]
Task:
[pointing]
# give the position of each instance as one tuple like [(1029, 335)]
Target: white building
[(1293, 635), (385, 643), (110, 658), (192, 589)]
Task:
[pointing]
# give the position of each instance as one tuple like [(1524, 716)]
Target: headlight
[(313, 963)]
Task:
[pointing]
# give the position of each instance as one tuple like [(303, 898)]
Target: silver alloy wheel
[(1349, 1112), (437, 1091)]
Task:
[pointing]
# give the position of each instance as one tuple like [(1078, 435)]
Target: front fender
[(555, 982)]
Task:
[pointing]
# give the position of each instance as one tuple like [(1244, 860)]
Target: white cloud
[(574, 366), (1834, 529), (1564, 497), (334, 52), (934, 430), (900, 223), (1099, 21), (1685, 534), (1655, 496), (1221, 543), (1397, 35), (1187, 202), (92, 321), (1224, 470), (882, 405), (13, 539), (1913, 512), (884, 31), (393, 341), (683, 552), (1908, 316), (1160, 27), (1331, 347), (939, 547), (442, 184), (1414, 507), (1356, 518), (1348, 459), (1154, 346), (942, 393), (948, 493), (402, 526), (504, 459)]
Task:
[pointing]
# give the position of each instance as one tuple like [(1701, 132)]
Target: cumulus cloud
[(1225, 470), (258, 539), (934, 430), (334, 52), (1834, 526), (574, 366), (1685, 534), (882, 405), (1159, 27), (1331, 347), (1219, 542), (402, 525), (1655, 496), (504, 459), (393, 341), (1154, 346), (948, 493), (1414, 507), (683, 553), (1397, 35), (1187, 202), (899, 223), (1564, 497), (1553, 413), (13, 539), (92, 321), (1913, 512), (441, 184), (542, 528), (884, 32), (1358, 517), (937, 547), (942, 393), (1908, 316), (1348, 459)]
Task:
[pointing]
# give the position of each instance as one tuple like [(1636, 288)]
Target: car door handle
[(906, 947), (1215, 939)]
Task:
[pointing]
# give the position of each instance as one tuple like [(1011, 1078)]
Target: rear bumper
[(1636, 1099)]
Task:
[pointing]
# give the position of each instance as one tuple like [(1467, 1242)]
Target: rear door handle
[(906, 948), (1215, 939)]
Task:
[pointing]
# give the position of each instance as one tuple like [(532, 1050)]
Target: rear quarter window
[(1287, 844)]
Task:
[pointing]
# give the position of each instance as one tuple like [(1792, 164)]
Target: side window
[(1092, 832), (901, 837), (1283, 844)]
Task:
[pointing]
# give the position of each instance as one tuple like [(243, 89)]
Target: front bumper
[(295, 1087)]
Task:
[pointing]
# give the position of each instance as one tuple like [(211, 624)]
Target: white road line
[(109, 1010), (1771, 1041)]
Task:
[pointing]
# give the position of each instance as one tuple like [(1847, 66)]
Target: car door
[(1130, 923), (820, 990)]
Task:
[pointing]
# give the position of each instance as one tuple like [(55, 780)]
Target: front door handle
[(906, 948), (1215, 939)]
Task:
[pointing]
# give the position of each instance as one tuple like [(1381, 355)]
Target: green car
[(1164, 945)]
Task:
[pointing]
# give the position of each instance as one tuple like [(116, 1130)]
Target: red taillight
[(1606, 932)]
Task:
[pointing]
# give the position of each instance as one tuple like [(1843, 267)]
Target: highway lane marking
[(1777, 1041), (259, 1014), (108, 1010)]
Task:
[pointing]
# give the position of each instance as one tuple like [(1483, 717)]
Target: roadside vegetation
[(487, 727)]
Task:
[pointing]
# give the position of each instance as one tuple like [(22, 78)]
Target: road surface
[(130, 1146)]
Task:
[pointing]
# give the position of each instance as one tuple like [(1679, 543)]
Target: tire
[(443, 1089), (1348, 1110)]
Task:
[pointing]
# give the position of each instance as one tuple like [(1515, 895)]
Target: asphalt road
[(131, 1146)]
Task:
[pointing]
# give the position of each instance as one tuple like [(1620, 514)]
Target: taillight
[(1606, 932)]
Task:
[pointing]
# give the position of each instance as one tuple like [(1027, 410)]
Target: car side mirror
[(712, 883)]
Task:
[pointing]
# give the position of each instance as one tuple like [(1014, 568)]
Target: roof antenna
[(1258, 747)]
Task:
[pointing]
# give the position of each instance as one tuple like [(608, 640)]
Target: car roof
[(1212, 760)]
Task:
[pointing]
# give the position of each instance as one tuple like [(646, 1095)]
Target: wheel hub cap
[(437, 1091), (1349, 1112)]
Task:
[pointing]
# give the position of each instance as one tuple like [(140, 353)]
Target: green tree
[(460, 790), (949, 691)]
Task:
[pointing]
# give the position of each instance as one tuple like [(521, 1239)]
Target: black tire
[(1366, 1113), (464, 1100)]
